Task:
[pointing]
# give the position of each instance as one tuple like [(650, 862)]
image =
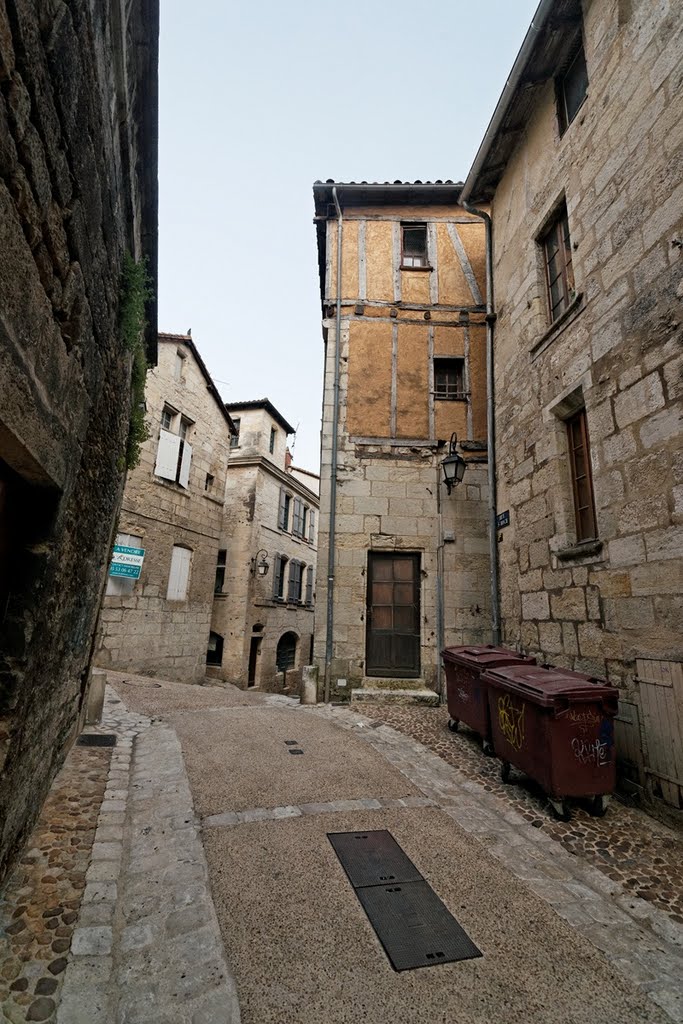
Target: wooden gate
[(393, 621), (661, 702)]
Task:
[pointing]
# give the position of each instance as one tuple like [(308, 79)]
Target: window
[(279, 577), (271, 446), (414, 245), (285, 655), (214, 651), (309, 585), (118, 586), (449, 379), (174, 453), (179, 576), (235, 438), (582, 481), (295, 578), (299, 518), (283, 512), (220, 572), (571, 87), (209, 482), (179, 365), (557, 252), (311, 526)]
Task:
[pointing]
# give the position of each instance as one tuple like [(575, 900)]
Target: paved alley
[(203, 888)]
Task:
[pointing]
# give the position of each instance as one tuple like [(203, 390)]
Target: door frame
[(416, 557)]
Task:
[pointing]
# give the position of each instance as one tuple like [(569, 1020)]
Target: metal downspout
[(440, 596), (329, 638), (490, 422)]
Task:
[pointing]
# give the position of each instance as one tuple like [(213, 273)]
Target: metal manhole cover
[(414, 926), (96, 739), (372, 858)]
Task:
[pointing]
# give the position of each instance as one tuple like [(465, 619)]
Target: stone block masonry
[(78, 165)]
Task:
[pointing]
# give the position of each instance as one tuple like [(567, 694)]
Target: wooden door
[(393, 619)]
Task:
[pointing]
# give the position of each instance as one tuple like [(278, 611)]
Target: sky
[(257, 101)]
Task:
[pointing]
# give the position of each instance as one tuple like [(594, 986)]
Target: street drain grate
[(96, 739), (412, 924), (291, 743), (294, 750)]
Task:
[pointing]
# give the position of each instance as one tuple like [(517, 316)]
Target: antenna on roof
[(293, 444)]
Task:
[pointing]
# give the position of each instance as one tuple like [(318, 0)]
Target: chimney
[(288, 461)]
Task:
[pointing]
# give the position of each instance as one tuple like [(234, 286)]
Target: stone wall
[(77, 190), (143, 631), (619, 167)]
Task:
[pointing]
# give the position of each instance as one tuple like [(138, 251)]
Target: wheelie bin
[(556, 726), (466, 691)]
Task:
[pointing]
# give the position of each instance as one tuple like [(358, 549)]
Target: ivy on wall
[(135, 292)]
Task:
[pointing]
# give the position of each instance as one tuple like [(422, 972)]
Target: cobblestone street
[(184, 875)]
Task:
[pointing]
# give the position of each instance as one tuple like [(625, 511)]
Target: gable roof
[(548, 42), (262, 403), (185, 339)]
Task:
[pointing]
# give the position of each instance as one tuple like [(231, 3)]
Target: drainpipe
[(490, 421), (440, 596), (329, 639)]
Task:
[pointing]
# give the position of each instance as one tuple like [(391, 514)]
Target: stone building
[(262, 623), (582, 164), (78, 162), (405, 337), (173, 508)]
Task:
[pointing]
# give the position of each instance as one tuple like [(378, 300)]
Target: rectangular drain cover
[(373, 858), (411, 922), (414, 927), (96, 739), (294, 750)]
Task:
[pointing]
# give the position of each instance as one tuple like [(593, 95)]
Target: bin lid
[(547, 686), (484, 656)]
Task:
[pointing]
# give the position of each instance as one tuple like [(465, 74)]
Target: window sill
[(216, 501), (575, 307), (420, 270), (219, 595), (585, 549)]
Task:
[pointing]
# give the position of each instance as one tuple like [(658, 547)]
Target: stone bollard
[(98, 679), (309, 684)]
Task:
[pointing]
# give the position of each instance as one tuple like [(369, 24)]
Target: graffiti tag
[(595, 752), (511, 721), (463, 695), (586, 717)]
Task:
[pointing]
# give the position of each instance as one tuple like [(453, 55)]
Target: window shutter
[(291, 589), (309, 585), (179, 575), (277, 575), (311, 526), (167, 455), (282, 514), (184, 475)]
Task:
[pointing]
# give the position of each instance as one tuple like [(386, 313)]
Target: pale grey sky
[(259, 100)]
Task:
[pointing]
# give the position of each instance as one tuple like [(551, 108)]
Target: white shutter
[(179, 574), (167, 455), (184, 476)]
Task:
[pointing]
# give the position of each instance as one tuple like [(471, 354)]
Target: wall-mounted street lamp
[(453, 465), (260, 565)]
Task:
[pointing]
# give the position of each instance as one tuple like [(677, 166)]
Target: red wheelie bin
[(466, 691), (556, 726)]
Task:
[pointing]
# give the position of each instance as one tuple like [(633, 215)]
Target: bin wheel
[(487, 747), (559, 810), (505, 771), (598, 805), (453, 724)]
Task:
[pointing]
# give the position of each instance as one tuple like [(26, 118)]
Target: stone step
[(387, 683), (378, 695)]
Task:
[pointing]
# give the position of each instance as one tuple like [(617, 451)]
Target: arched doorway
[(285, 656)]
